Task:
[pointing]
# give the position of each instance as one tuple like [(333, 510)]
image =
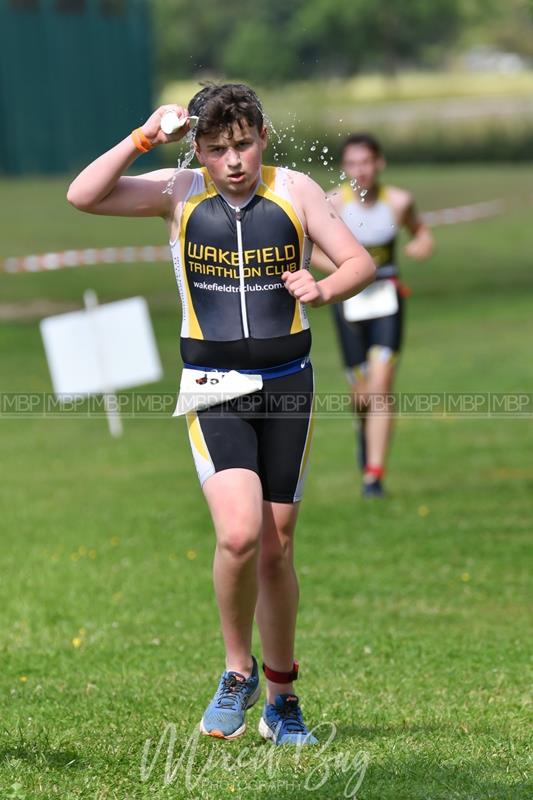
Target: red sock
[(374, 472)]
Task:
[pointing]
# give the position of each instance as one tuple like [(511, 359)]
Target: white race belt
[(199, 389), (380, 299)]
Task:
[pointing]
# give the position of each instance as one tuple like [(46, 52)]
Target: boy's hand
[(417, 249), (304, 287), (152, 126)]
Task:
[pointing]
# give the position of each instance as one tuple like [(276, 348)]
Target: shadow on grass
[(371, 732), (408, 779), (57, 759)]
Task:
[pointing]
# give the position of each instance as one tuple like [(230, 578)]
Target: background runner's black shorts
[(356, 338), (268, 432)]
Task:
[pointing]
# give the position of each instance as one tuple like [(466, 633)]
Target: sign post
[(101, 350)]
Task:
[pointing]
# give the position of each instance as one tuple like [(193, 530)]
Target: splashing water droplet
[(313, 148), (294, 163), (364, 192), (270, 124), (342, 176), (325, 149), (183, 163)]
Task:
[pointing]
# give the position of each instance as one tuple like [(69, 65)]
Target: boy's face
[(361, 163), (233, 159)]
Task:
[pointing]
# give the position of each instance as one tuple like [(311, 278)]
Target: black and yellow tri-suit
[(238, 315)]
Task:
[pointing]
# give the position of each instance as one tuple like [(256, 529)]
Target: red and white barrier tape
[(451, 216), (133, 255), (82, 258)]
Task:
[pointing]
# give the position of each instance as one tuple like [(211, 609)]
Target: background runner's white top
[(374, 226)]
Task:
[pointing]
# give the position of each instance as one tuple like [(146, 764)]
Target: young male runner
[(370, 326), (240, 235)]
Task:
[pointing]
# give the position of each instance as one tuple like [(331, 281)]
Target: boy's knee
[(241, 538), (376, 392), (238, 544)]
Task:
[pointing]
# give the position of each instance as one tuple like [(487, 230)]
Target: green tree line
[(266, 41)]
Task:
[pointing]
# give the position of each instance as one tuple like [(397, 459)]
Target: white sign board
[(102, 349)]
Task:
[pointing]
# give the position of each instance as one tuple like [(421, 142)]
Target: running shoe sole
[(265, 730)]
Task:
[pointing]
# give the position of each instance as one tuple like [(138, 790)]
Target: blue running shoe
[(224, 716), (373, 489), (282, 722)]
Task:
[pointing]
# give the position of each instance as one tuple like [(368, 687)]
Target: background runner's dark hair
[(219, 106), (365, 139)]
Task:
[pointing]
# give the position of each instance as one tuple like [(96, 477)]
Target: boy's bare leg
[(277, 602), (378, 424), (235, 499)]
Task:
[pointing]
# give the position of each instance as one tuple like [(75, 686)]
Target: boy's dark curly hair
[(219, 106)]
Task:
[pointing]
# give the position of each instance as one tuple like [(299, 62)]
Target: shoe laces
[(292, 718), (230, 691)]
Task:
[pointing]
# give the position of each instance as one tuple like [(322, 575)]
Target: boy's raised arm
[(102, 188)]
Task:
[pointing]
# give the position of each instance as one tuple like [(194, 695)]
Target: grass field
[(443, 110), (377, 89), (413, 629)]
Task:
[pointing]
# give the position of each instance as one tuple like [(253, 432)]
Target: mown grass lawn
[(418, 116), (413, 631)]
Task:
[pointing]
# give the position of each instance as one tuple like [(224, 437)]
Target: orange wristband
[(141, 141)]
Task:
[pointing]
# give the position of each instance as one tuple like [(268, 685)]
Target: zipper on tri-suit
[(244, 314)]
